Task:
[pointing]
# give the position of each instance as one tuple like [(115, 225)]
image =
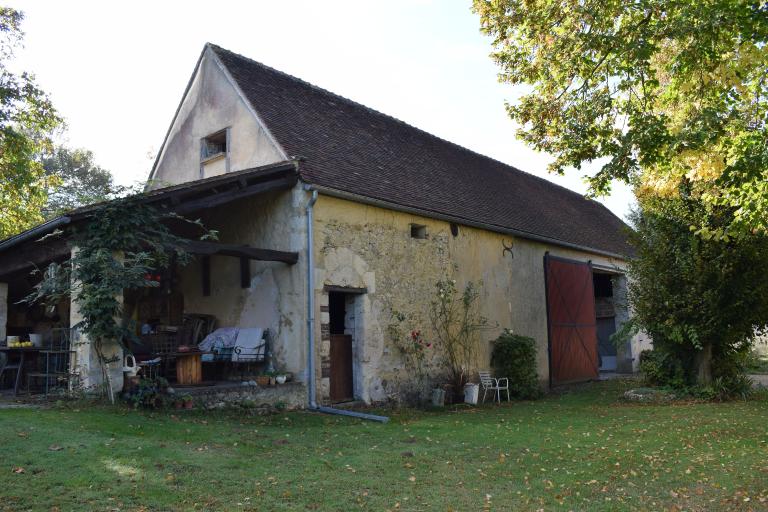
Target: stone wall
[(362, 246), (291, 395)]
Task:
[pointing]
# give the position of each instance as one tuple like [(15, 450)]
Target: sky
[(117, 71)]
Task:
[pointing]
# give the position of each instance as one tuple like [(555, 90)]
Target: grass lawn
[(583, 450)]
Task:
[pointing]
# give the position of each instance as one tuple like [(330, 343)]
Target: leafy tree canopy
[(662, 93), (699, 299), (79, 180), (27, 120)]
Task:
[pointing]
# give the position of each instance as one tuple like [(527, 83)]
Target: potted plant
[(262, 380), (188, 402)]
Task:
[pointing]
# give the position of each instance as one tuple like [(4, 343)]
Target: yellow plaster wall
[(357, 245)]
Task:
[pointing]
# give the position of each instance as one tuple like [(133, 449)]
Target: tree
[(27, 121), (662, 93), (79, 180), (699, 299)]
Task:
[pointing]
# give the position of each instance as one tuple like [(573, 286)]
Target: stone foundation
[(291, 395)]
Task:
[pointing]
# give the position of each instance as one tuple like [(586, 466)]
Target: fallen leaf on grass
[(55, 448), (19, 471)]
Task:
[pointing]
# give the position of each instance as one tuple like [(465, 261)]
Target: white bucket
[(471, 391), (36, 339)]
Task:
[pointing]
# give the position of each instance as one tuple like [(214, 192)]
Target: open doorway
[(605, 314), (341, 312)]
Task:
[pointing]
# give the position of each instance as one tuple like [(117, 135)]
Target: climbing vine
[(123, 242)]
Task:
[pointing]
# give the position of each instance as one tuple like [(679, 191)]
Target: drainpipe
[(313, 405), (311, 299)]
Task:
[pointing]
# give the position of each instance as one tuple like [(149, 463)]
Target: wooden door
[(341, 368), (571, 321)]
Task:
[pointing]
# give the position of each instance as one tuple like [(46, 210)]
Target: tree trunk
[(703, 362)]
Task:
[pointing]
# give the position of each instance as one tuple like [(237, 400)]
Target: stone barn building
[(332, 215)]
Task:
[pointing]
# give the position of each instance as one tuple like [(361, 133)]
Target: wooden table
[(189, 368), (22, 351)]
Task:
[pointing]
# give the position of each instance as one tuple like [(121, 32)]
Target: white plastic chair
[(495, 385)]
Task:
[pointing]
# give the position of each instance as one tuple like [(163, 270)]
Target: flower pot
[(471, 392), (280, 379), (178, 405), (438, 397), (262, 380), (189, 404)]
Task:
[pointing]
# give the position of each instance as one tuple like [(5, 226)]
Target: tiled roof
[(354, 149)]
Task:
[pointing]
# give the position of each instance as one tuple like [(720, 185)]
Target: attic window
[(418, 231), (214, 145)]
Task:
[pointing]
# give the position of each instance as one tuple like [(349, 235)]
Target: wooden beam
[(245, 272), (238, 251), (33, 254), (232, 195), (344, 289), (206, 275)]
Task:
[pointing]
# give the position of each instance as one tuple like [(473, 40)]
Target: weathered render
[(212, 102), (276, 297), (363, 246)]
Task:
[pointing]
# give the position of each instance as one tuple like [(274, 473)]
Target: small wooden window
[(214, 145), (418, 231)]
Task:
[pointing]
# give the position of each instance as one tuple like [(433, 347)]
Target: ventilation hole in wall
[(418, 231), (454, 229)]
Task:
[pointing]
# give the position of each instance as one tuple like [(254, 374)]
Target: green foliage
[(27, 122), (514, 357), (149, 394), (79, 181), (660, 93), (662, 369), (756, 363), (699, 299), (410, 343), (124, 241), (456, 325)]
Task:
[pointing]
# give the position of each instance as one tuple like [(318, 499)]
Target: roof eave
[(341, 194)]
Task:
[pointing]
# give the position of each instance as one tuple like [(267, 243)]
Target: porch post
[(3, 310), (86, 361)]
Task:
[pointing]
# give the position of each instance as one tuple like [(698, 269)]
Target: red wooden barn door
[(571, 320)]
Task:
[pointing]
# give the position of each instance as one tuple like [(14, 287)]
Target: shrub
[(514, 357), (660, 368)]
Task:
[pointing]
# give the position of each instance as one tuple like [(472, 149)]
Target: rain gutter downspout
[(313, 405), (311, 299)]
